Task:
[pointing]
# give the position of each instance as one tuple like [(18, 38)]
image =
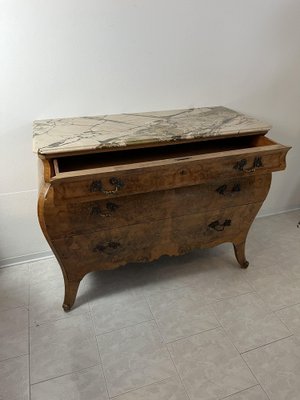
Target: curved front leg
[(239, 250), (71, 289)]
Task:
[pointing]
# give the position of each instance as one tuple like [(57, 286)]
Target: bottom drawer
[(146, 242)]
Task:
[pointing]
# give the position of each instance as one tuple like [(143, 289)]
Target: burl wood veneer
[(132, 187)]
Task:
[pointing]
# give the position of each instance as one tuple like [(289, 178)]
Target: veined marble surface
[(64, 135)]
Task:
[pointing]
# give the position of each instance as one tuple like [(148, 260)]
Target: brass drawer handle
[(96, 186), (96, 210), (240, 165), (222, 190), (217, 226), (102, 247)]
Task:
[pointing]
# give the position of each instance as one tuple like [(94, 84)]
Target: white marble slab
[(106, 131)]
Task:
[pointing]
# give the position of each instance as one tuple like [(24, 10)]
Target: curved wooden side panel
[(81, 254), (239, 243), (71, 281)]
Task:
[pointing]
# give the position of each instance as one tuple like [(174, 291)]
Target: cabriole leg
[(239, 250), (71, 288)]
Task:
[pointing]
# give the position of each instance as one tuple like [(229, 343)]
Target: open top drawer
[(126, 172)]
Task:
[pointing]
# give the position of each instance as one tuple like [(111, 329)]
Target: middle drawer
[(75, 218)]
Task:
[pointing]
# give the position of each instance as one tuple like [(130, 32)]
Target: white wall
[(84, 57)]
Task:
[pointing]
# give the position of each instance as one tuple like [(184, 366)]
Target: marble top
[(63, 135)]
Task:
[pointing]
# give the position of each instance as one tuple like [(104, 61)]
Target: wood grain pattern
[(146, 242), (75, 218), (82, 254), (167, 174), (166, 206)]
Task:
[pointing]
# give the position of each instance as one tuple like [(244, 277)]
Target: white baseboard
[(27, 258), (262, 214)]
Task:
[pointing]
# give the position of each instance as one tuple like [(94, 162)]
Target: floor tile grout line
[(265, 392), (141, 387), (263, 300), (283, 322), (28, 352), (75, 371), (171, 358), (138, 300), (212, 302), (14, 357), (282, 275), (232, 297), (66, 374), (185, 337), (240, 391), (267, 314), (124, 327), (261, 385), (131, 390), (99, 353), (254, 291), (194, 334), (285, 307), (267, 344), (91, 315), (153, 319), (66, 315), (176, 369), (240, 355)]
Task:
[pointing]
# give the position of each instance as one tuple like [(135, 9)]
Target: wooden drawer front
[(74, 218), (148, 241), (137, 178)]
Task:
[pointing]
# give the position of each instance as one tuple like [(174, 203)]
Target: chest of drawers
[(132, 187)]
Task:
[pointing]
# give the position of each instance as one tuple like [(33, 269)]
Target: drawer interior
[(173, 151)]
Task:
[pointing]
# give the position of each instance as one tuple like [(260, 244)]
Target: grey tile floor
[(195, 327)]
